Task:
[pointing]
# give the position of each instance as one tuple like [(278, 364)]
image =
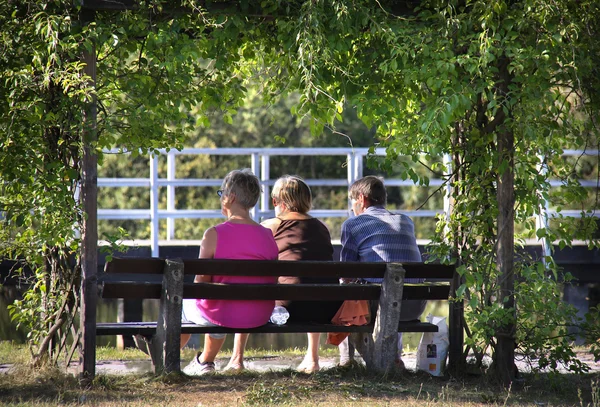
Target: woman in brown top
[(299, 236)]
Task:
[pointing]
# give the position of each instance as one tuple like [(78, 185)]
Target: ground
[(272, 381)]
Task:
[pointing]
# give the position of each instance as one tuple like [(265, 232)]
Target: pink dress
[(249, 242)]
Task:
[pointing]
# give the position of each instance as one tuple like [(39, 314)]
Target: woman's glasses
[(220, 193)]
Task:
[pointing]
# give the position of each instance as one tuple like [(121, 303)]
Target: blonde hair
[(244, 185), (294, 192)]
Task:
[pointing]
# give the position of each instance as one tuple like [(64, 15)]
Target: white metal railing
[(260, 165)]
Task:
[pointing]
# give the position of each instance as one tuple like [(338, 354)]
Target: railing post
[(541, 221), (154, 205), (447, 161), (170, 195), (358, 166), (256, 170), (264, 177), (350, 171)]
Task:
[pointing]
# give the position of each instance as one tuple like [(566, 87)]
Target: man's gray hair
[(371, 187), (244, 185)]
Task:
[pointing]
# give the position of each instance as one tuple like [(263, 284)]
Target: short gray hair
[(371, 187), (244, 185)]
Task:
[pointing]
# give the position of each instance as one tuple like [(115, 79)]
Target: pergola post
[(89, 244)]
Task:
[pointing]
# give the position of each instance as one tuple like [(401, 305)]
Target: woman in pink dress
[(238, 238)]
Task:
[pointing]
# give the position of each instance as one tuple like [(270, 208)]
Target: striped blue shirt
[(378, 235)]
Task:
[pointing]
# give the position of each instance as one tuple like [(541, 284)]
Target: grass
[(338, 386), (14, 353)]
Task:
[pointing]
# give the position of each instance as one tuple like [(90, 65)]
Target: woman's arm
[(207, 251)]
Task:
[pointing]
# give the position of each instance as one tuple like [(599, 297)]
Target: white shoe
[(196, 368), (346, 361)]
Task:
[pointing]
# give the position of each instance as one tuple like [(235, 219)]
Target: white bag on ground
[(433, 348)]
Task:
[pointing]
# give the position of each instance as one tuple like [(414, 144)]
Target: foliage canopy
[(447, 78)]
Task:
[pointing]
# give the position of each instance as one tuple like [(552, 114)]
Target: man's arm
[(349, 250), (349, 247)]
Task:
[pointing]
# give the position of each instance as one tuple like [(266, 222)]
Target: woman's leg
[(310, 364), (212, 346), (204, 363), (184, 339), (237, 357)]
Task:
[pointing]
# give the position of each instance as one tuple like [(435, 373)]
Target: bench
[(153, 278)]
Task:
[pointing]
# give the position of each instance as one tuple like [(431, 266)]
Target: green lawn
[(352, 386)]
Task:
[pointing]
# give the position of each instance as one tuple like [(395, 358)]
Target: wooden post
[(380, 349), (165, 345), (456, 361), (505, 249), (505, 349), (89, 245)]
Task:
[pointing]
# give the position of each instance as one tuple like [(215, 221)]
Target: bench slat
[(296, 292), (307, 292), (278, 268), (149, 328)]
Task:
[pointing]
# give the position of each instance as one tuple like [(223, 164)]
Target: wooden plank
[(130, 290), (149, 328), (279, 268), (304, 292), (312, 268), (425, 292), (297, 292), (135, 265)]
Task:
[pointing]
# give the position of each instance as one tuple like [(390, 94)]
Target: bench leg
[(147, 345), (363, 343), (379, 350), (166, 343)]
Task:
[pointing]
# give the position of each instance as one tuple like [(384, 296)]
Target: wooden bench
[(152, 278)]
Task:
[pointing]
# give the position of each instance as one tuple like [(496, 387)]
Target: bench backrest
[(142, 278)]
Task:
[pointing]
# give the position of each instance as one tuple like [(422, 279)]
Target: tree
[(498, 86), (153, 73)]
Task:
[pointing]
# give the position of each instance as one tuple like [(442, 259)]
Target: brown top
[(303, 239), (300, 238)]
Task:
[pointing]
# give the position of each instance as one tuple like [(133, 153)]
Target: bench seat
[(149, 328)]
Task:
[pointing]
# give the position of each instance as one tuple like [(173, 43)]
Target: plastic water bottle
[(279, 316)]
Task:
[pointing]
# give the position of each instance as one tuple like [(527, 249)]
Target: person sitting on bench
[(238, 238), (299, 237), (377, 235)]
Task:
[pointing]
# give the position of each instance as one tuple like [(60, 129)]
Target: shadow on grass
[(335, 386)]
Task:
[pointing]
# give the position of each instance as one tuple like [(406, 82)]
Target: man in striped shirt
[(377, 235)]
